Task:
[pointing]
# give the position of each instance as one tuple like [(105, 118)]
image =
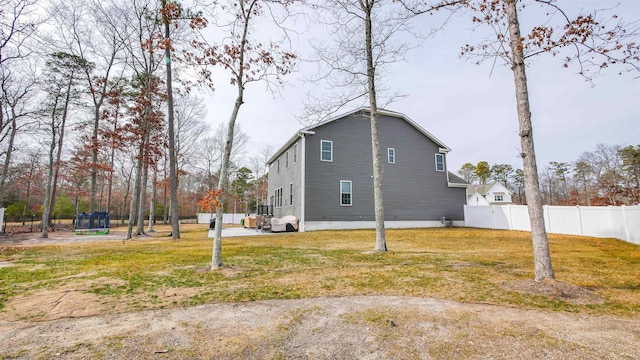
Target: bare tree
[(19, 89), (190, 111), (62, 80), (364, 42), (18, 25), (85, 32), (247, 61), (591, 44)]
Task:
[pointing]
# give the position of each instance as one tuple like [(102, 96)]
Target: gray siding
[(413, 189), (292, 174)]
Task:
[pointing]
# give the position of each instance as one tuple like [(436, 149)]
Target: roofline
[(309, 130), (291, 141), (366, 109)]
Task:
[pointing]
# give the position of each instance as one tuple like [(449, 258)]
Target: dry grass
[(460, 264)]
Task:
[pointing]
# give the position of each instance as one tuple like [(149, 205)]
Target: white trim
[(295, 153), (444, 167), (389, 151), (286, 159), (330, 142), (351, 225), (350, 193)]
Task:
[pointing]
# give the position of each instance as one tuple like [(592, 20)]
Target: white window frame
[(498, 197), (291, 194), (295, 153), (391, 155), (286, 160), (443, 165), (322, 151), (278, 165), (350, 192), (278, 198)]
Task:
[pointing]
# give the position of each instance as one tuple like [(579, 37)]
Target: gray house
[(324, 175)]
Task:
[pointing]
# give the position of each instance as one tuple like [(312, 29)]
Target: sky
[(469, 107)]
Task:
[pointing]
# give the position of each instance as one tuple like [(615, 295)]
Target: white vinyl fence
[(205, 218), (621, 222)]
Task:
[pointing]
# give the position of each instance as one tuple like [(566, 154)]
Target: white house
[(488, 194)]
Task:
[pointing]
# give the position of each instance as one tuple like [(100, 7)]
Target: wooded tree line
[(608, 175), (84, 104)]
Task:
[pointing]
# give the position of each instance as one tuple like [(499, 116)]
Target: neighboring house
[(324, 175), (488, 194)]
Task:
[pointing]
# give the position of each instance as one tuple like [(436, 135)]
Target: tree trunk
[(133, 208), (173, 176), (47, 198), (7, 159), (94, 157), (541, 255), (152, 205), (152, 214), (381, 242), (143, 194), (216, 259)]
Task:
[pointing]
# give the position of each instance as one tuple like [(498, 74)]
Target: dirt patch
[(555, 290), (362, 327)]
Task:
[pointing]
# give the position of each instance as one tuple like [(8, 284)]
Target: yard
[(446, 293)]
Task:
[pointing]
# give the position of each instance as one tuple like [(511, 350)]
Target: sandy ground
[(360, 327), (363, 327)]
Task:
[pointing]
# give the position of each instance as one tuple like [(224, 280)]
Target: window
[(439, 162), (278, 166), (326, 150), (499, 197), (345, 193), (295, 153), (391, 155), (291, 194), (286, 160), (278, 197)]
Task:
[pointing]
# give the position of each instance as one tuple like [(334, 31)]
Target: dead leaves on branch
[(592, 41), (209, 202)]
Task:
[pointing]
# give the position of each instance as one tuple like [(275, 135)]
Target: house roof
[(455, 181), (309, 129), (483, 189)]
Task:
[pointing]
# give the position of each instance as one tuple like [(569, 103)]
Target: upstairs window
[(345, 193), (439, 162), (326, 150), (391, 155), (286, 160), (499, 197), (295, 153), (278, 165)]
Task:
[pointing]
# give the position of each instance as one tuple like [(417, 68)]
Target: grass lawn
[(460, 264)]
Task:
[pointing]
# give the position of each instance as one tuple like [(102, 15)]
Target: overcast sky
[(467, 106)]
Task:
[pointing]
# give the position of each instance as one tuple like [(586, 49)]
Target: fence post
[(626, 227), (464, 211), (580, 218), (510, 217), (547, 220)]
